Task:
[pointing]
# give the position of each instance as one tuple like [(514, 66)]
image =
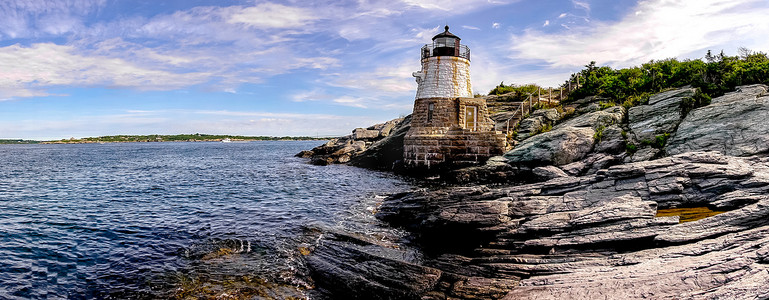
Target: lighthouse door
[(471, 115)]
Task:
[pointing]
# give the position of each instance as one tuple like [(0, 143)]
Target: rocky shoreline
[(590, 204)]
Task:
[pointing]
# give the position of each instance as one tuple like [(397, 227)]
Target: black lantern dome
[(446, 44), (446, 34)]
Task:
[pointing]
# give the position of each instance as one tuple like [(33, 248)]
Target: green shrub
[(605, 105), (658, 142), (546, 128), (598, 135), (631, 148), (714, 76), (518, 92)]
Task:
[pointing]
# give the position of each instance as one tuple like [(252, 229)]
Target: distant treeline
[(713, 76), (18, 142), (197, 137)]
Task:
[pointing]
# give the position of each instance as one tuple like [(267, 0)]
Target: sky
[(84, 68)]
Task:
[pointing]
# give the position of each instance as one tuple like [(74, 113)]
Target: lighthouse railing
[(429, 51)]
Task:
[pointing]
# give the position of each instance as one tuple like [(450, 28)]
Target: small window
[(430, 108)]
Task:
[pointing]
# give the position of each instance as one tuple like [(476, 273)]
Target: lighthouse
[(449, 128), (445, 68)]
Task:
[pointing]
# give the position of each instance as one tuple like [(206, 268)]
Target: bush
[(520, 92), (658, 142), (631, 148), (598, 135), (545, 128), (714, 76)]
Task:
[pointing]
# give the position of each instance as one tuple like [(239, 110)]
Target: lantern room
[(446, 44)]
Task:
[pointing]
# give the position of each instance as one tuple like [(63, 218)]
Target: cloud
[(271, 15), (351, 101), (495, 25), (665, 29), (27, 71), (547, 23), (391, 80), (457, 6), (581, 4), (470, 27), (24, 18), (252, 114), (176, 121)]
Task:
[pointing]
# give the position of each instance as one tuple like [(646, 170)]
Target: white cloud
[(581, 4), (391, 79), (547, 23), (271, 15), (184, 121), (495, 25), (351, 101), (313, 95), (27, 71), (253, 114), (24, 18), (665, 29), (563, 15), (470, 27), (452, 6)]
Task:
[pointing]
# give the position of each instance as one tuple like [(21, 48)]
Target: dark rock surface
[(576, 217), (661, 115), (612, 140), (349, 266), (580, 237), (569, 141), (733, 124), (537, 122), (377, 147), (386, 153), (558, 147)]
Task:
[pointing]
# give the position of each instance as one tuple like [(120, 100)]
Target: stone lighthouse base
[(455, 148)]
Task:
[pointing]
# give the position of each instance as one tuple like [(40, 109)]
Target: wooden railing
[(525, 107)]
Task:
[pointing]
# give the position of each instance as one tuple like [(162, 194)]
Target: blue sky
[(78, 68)]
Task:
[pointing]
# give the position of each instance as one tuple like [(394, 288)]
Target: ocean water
[(159, 220)]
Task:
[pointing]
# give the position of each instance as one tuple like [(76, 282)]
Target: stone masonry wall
[(445, 116), (458, 148), (443, 139), (444, 77), (448, 114)]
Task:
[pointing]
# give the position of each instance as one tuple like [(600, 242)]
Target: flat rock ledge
[(583, 237)]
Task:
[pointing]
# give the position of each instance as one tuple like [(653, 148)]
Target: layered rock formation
[(734, 124), (578, 216), (378, 147), (574, 237)]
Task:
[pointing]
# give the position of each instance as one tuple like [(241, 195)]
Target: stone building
[(448, 125)]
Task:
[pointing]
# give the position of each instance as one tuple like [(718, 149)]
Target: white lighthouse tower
[(449, 127), (445, 68)]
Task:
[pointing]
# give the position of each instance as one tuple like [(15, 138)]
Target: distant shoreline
[(162, 138)]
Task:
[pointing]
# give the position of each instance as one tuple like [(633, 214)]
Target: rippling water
[(146, 220)]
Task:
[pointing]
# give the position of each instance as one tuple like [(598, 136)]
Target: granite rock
[(378, 147), (595, 120), (537, 122), (733, 124), (661, 115), (558, 147)]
